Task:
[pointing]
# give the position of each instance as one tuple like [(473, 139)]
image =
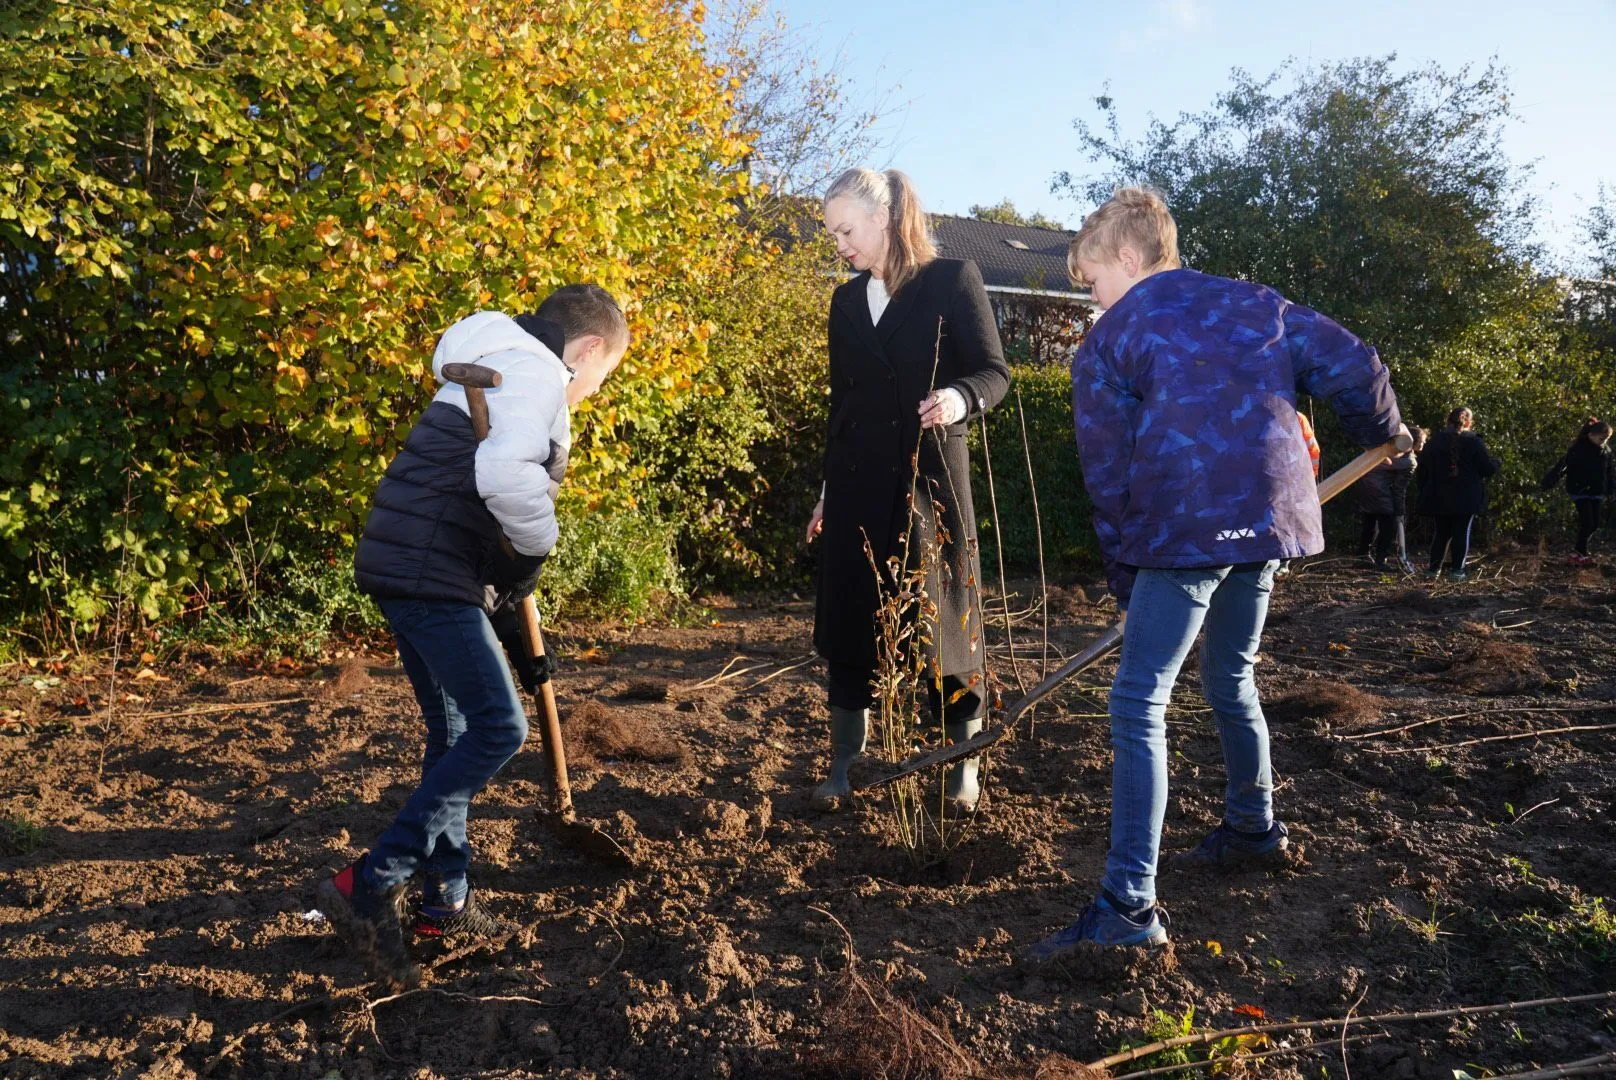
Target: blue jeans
[(1166, 611), (474, 725)]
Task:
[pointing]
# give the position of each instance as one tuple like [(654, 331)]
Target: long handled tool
[(1107, 643), (562, 817)]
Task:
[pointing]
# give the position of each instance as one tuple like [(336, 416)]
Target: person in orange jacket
[(1312, 442)]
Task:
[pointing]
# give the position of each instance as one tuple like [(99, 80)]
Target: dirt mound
[(595, 733), (1329, 702)]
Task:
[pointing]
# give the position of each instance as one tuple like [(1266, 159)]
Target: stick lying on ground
[(1106, 643)]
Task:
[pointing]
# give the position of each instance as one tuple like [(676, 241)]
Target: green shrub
[(231, 233), (611, 565), (1045, 399)]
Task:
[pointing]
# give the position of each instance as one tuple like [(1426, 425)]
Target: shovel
[(1107, 643), (562, 818)]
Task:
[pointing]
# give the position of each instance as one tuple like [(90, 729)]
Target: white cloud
[(1167, 18)]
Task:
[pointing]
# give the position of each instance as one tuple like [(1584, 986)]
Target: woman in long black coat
[(914, 354), (1453, 489)]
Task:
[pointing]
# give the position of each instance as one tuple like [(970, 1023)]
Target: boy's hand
[(1402, 429), (816, 522), (942, 407)]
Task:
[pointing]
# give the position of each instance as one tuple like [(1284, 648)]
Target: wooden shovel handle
[(474, 378), (529, 616), (1364, 463)]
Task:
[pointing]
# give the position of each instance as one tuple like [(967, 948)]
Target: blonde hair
[(909, 243), (1135, 217)]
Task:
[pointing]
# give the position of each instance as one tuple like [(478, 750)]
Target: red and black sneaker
[(371, 922), (471, 925)]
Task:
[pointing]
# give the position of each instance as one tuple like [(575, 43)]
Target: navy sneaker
[(1226, 849), (472, 924), (371, 921), (1102, 923)]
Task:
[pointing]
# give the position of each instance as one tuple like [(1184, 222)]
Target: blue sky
[(986, 93)]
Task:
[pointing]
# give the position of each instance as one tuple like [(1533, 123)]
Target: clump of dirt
[(1487, 666), (646, 690), (595, 733), (1330, 703)]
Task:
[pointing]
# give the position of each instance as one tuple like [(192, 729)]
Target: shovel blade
[(588, 839)]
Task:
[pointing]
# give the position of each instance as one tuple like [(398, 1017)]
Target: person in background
[(1383, 509), (1589, 472), (1453, 490)]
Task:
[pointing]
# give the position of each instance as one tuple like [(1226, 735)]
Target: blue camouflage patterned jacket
[(1184, 396)]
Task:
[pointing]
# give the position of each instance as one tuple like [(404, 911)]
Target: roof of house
[(1009, 256)]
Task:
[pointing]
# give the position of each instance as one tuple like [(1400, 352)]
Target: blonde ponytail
[(909, 243)]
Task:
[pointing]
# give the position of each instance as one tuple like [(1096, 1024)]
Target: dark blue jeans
[(474, 725)]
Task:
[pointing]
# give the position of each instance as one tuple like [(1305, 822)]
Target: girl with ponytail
[(1589, 471), (914, 354), (1453, 489)]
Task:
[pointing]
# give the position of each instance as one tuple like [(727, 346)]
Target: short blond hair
[(1135, 217)]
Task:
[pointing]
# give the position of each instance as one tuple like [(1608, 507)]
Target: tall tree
[(1005, 213), (1383, 198)]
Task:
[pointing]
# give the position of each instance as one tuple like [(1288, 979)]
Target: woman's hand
[(942, 407), (816, 521)]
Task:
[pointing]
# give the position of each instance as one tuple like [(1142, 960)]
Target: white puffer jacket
[(529, 429)]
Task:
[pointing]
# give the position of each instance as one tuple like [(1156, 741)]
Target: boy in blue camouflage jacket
[(1184, 396)]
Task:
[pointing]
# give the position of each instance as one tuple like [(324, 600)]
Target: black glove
[(531, 671), (512, 574)]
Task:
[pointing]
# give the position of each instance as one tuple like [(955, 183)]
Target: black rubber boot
[(849, 731)]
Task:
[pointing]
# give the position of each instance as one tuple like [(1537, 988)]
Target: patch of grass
[(1587, 926), (19, 836), (1164, 1025)]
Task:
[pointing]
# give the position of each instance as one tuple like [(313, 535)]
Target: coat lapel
[(898, 308), (854, 302)]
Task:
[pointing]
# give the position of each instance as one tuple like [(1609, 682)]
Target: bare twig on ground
[(223, 707), (1603, 706), (1241, 1058), (791, 665), (1533, 734), (1344, 1025), (1599, 1065), (1207, 1037), (726, 674)]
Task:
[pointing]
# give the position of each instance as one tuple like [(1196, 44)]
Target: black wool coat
[(879, 373), (1454, 470)]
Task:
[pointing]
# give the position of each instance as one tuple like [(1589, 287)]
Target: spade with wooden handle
[(571, 830), (1107, 643)]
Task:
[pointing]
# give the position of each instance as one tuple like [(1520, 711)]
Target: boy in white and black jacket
[(431, 556)]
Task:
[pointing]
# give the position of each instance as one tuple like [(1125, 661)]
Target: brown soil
[(156, 924)]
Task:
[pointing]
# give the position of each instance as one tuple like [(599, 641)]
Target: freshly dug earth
[(155, 920)]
